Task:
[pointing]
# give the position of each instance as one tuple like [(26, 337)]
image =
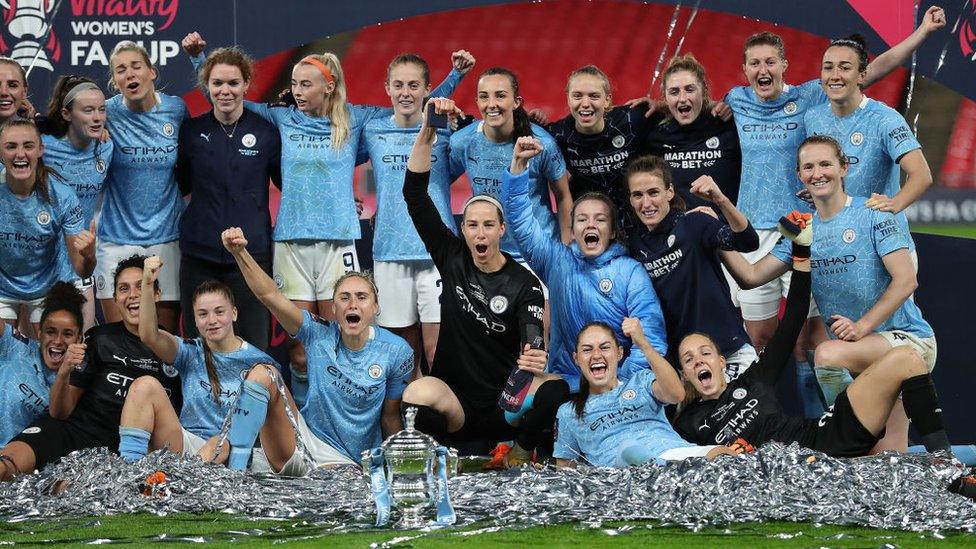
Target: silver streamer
[(903, 491), (664, 49), (911, 78), (279, 382), (691, 19)]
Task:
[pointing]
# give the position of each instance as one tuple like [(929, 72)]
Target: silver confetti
[(777, 483)]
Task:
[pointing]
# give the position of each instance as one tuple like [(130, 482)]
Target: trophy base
[(411, 518)]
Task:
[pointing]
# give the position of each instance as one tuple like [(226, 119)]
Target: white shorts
[(408, 291), (192, 443), (545, 290), (763, 302), (108, 255), (738, 362), (926, 347), (678, 454), (297, 465), (307, 271), (9, 308)]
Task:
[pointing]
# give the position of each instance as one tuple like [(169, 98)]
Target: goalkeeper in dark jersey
[(495, 306)]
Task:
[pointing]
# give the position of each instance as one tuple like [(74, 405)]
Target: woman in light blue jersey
[(484, 150), (73, 146), (355, 379), (863, 275), (39, 212), (769, 116), (317, 223), (613, 422), (211, 369), (875, 138), (142, 205), (408, 282), (28, 367)]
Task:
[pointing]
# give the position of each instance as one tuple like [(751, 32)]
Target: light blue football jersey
[(32, 235), (847, 271), (769, 134), (347, 389), (201, 414), (26, 382), (485, 163), (388, 145), (142, 203), (625, 416)]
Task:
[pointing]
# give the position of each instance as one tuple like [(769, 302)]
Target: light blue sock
[(514, 418), (133, 443), (833, 381), (252, 408), (809, 390)]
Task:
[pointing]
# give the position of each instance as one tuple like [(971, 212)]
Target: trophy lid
[(410, 439)]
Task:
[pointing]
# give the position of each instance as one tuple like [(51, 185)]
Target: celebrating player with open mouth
[(41, 216), (31, 366), (356, 374), (592, 278), (496, 306)]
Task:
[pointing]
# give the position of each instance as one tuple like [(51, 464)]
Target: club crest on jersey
[(712, 143), (170, 370), (671, 240), (618, 141), (629, 394), (739, 393), (168, 129), (249, 140), (100, 282), (606, 285), (375, 371), (790, 107), (848, 236), (279, 282), (99, 165), (857, 138), (498, 304), (43, 218)]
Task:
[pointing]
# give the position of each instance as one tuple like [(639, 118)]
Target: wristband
[(801, 251)]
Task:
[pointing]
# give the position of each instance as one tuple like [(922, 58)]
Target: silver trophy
[(411, 470)]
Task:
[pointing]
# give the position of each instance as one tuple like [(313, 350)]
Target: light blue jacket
[(607, 288)]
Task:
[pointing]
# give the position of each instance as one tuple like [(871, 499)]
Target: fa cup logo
[(27, 22)]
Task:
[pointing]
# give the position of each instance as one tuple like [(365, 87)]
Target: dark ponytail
[(212, 287), (522, 122)]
